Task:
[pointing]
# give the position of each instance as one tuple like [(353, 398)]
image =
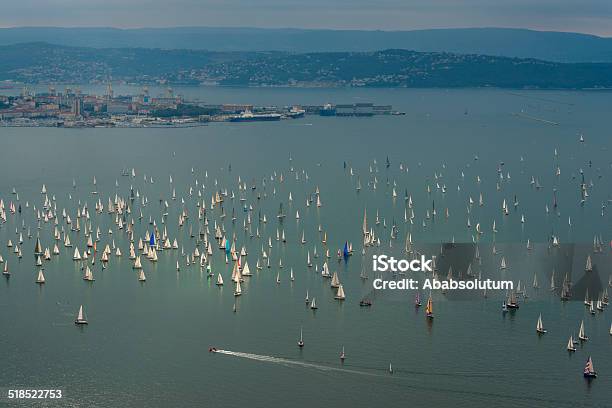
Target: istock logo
[(384, 263)]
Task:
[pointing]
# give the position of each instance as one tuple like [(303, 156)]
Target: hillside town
[(72, 108)]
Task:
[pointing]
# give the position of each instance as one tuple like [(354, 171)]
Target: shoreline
[(18, 85)]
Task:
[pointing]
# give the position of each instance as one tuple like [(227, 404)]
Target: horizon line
[(301, 29)]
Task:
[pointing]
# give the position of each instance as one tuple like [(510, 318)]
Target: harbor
[(74, 109)]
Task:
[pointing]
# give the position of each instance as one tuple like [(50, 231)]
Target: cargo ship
[(248, 116)]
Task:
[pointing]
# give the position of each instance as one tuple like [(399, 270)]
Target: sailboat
[(553, 287), (539, 326), (246, 271), (38, 247), (137, 263), (80, 317), (88, 275), (390, 369), (342, 355), (40, 279), (599, 305), (512, 302), (340, 294), (141, 276), (77, 255), (429, 308), (238, 290), (566, 289), (589, 371), (301, 340), (570, 344), (280, 215), (581, 335), (335, 282), (313, 304), (587, 301), (417, 300), (219, 280)]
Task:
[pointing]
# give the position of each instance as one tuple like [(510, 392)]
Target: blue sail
[(346, 250), (152, 240), (227, 246)]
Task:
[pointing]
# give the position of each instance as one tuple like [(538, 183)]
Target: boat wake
[(518, 400), (287, 362)]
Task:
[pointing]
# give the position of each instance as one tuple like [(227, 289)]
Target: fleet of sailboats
[(234, 231)]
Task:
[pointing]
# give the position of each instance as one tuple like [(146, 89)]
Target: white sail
[(335, 282), (88, 275), (41, 277), (570, 344), (581, 334), (80, 316), (340, 294), (552, 281), (539, 325)]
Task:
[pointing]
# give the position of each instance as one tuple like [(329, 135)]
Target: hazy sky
[(588, 16)]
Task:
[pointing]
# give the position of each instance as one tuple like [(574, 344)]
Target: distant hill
[(551, 46), (40, 62), (46, 63)]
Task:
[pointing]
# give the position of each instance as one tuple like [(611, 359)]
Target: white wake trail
[(284, 361)]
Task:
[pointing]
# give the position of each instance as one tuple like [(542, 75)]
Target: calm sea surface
[(147, 343)]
